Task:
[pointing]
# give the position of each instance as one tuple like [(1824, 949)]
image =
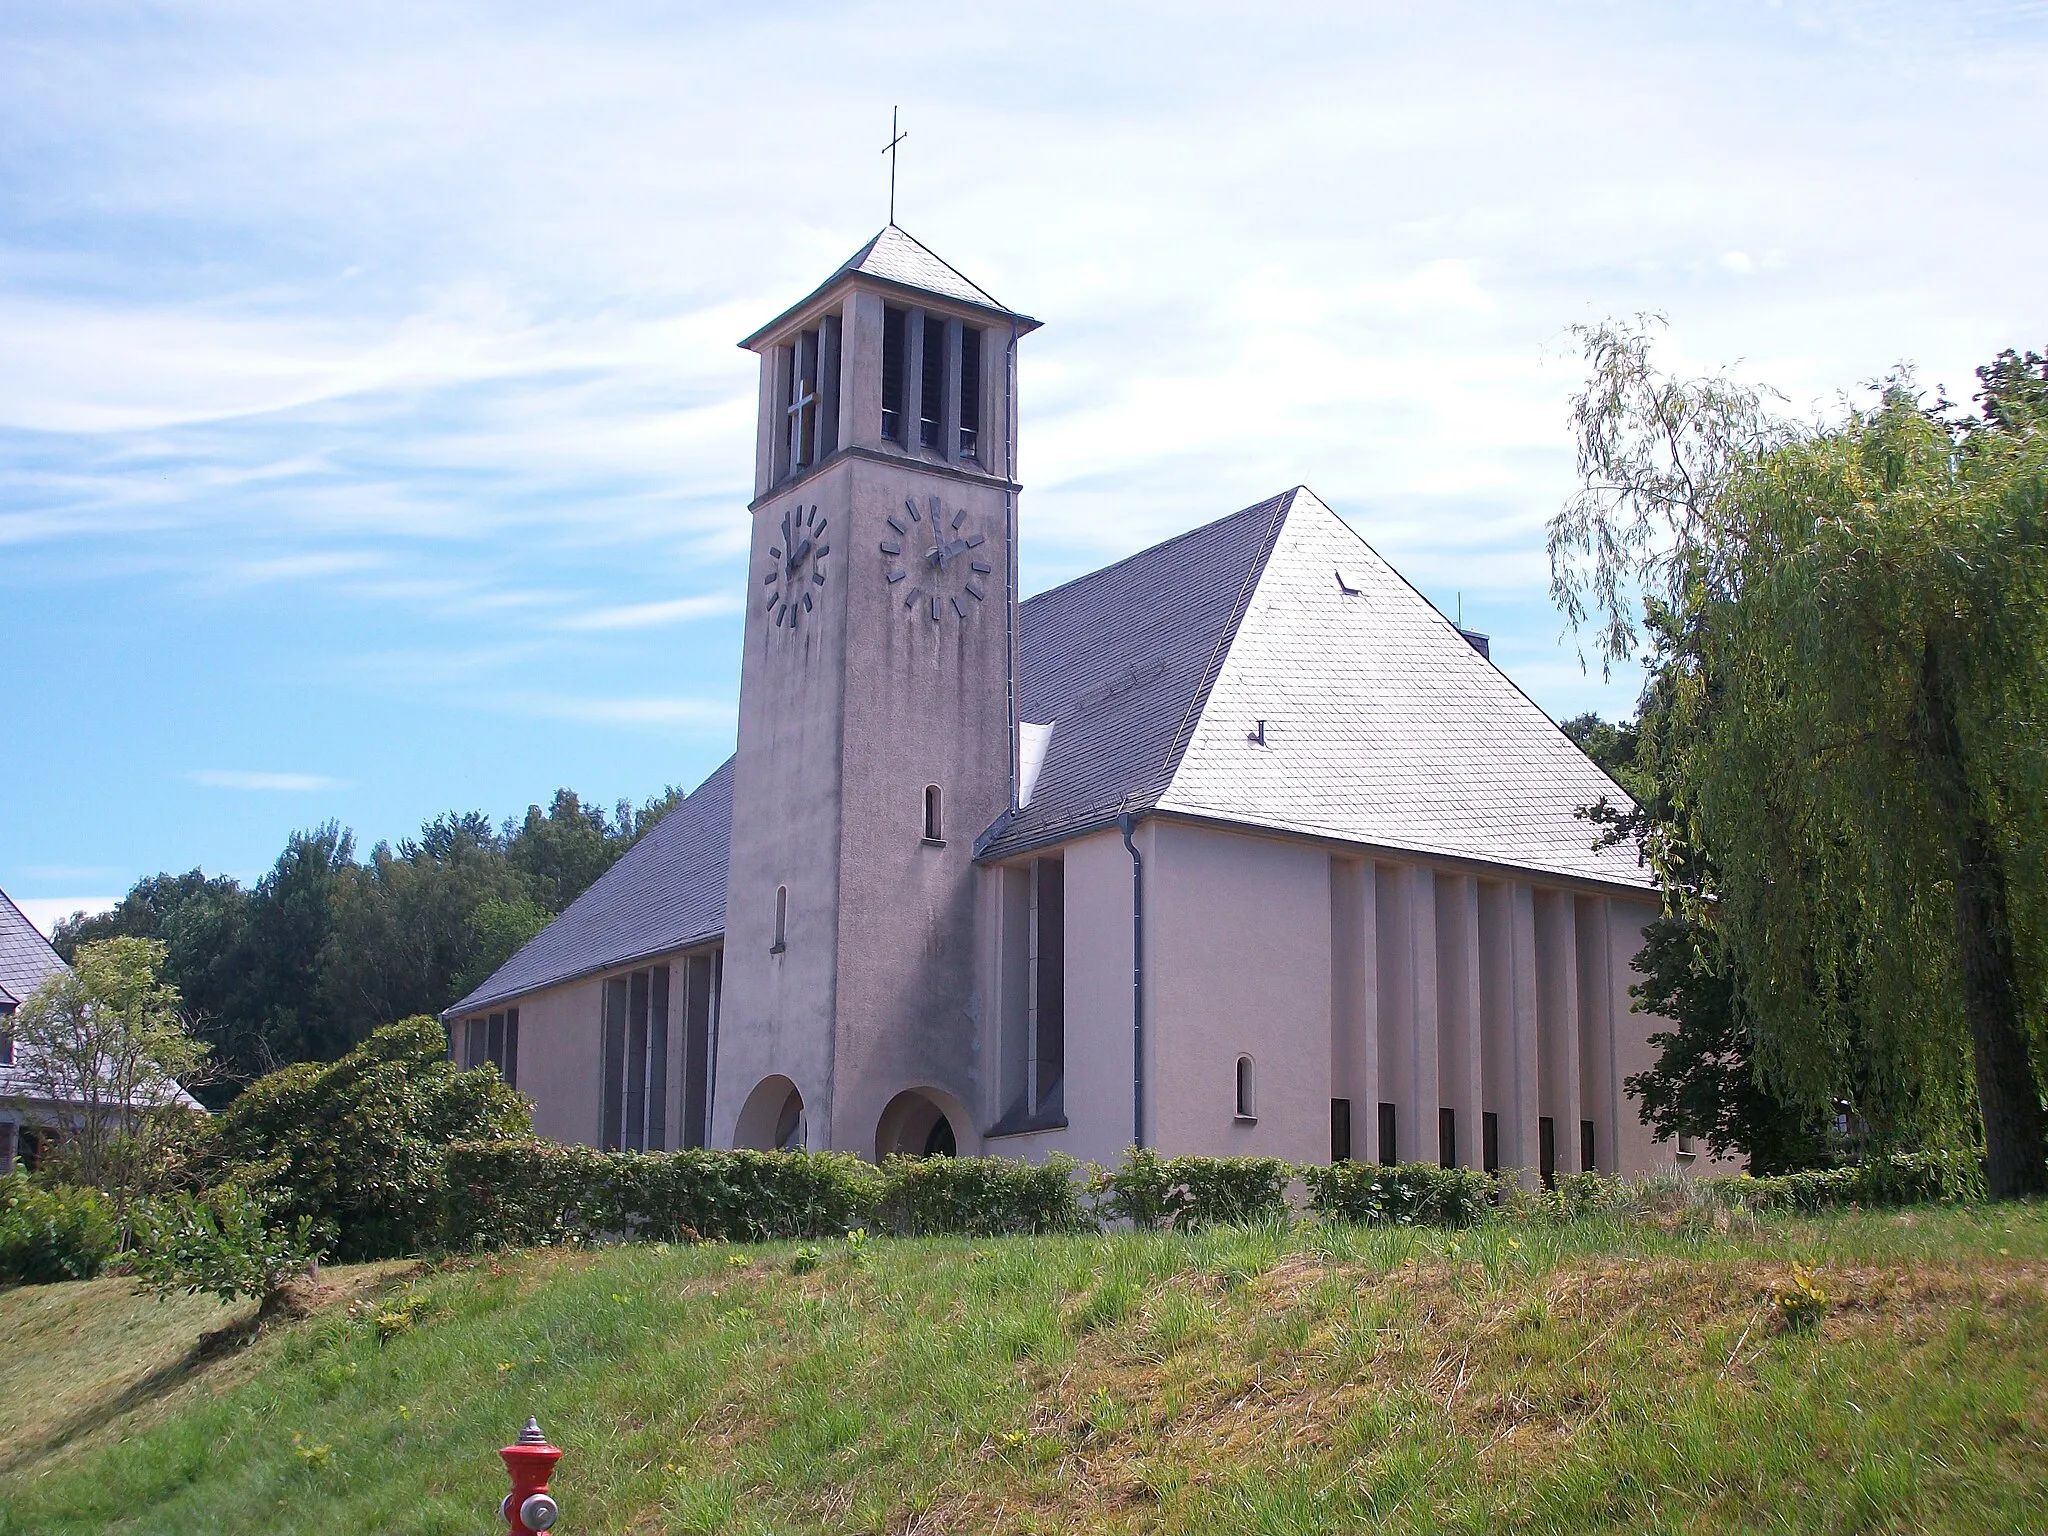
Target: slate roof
[(25, 955), (1119, 662), (668, 892), (895, 256), (1383, 725)]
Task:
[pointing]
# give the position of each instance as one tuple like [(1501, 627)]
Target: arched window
[(1247, 1106), (934, 817), (781, 920)]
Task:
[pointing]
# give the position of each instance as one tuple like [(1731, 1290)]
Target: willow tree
[(1859, 697)]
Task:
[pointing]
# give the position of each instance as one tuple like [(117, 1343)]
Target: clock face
[(796, 566), (937, 559)]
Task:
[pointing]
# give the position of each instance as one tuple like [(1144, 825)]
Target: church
[(1236, 846)]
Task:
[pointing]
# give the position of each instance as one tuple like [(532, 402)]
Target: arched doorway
[(920, 1122), (772, 1119)]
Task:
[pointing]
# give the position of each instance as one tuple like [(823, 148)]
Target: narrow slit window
[(934, 815), (1340, 1130), (781, 920), (894, 324), (1390, 1152), (1546, 1150), (1447, 1138), (932, 385), (1247, 1107), (1489, 1141), (1588, 1163), (970, 393)]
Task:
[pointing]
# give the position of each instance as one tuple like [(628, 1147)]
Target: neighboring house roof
[(896, 257), (665, 894), (26, 958), (1383, 728), (26, 961)]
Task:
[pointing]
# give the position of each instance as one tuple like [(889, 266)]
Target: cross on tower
[(889, 149)]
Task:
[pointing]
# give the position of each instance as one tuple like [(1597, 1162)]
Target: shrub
[(1904, 1178), (979, 1196), (356, 1145), (1405, 1194), (1138, 1190), (520, 1192), (1149, 1191), (47, 1234), (223, 1244)]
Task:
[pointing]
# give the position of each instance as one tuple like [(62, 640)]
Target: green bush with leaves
[(356, 1145), (1904, 1178), (1399, 1194), (980, 1196), (224, 1243), (527, 1191), (1150, 1191), (51, 1233)]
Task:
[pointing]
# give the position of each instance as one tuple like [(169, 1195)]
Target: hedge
[(980, 1196), (522, 1192), (1148, 1190), (51, 1233), (1904, 1178), (527, 1191), (1403, 1194)]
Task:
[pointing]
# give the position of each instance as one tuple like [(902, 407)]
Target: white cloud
[(674, 610), (250, 779)]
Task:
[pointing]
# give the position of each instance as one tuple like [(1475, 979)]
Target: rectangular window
[(932, 385), (635, 1060), (1049, 996), (895, 323), (1688, 1146), (699, 1003), (1489, 1137), (7, 1040), (492, 1038), (1587, 1163), (1340, 1130), (970, 393), (1390, 1151), (1546, 1151), (1447, 1138), (8, 1131), (802, 406)]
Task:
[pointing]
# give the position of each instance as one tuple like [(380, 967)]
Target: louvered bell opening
[(932, 381), (894, 324), (970, 393)]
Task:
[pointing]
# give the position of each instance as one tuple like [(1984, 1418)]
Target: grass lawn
[(1599, 1376)]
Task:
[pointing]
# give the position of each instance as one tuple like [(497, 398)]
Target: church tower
[(876, 731)]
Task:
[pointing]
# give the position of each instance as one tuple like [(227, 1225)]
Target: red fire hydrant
[(529, 1508)]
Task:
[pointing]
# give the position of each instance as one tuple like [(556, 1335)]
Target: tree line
[(328, 946)]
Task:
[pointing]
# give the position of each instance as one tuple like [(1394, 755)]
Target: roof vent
[(1350, 583), (1477, 641)]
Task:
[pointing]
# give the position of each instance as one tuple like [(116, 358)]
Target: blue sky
[(373, 440)]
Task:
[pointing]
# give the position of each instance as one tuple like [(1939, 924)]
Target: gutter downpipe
[(1010, 575), (1125, 823)]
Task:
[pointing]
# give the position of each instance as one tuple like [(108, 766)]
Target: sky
[(374, 441)]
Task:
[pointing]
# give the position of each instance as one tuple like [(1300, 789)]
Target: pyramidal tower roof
[(897, 259)]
